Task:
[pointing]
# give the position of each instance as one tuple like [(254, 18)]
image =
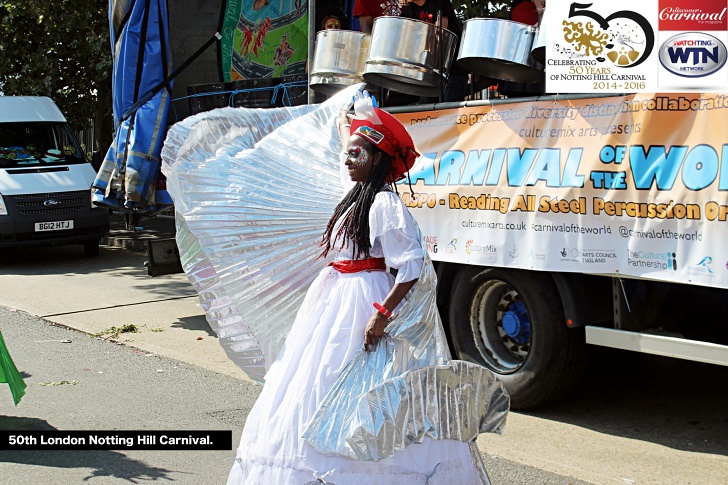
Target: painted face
[(358, 155), (359, 159)]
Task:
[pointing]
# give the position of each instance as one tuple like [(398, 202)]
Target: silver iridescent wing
[(253, 190), (407, 389)]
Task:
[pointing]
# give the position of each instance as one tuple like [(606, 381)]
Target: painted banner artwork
[(264, 39), (632, 185)]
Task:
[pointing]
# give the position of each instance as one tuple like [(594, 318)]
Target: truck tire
[(511, 321), (91, 248)]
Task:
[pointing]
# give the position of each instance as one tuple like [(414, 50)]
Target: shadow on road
[(197, 322), (114, 263), (101, 463), (674, 403), (21, 423), (66, 260)]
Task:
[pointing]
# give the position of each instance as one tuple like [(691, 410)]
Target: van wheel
[(91, 248), (512, 322)]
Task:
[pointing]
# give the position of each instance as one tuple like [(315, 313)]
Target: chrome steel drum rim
[(500, 49), (405, 56), (330, 84), (397, 84), (338, 60), (539, 46)]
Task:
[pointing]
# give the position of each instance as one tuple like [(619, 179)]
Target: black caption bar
[(115, 440)]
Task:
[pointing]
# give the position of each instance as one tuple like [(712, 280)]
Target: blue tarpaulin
[(127, 179)]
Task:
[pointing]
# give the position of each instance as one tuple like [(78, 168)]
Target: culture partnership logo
[(665, 261)]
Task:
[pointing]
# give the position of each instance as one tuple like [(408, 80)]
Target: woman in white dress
[(347, 307)]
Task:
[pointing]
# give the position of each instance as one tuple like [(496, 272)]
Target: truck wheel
[(91, 248), (511, 322)]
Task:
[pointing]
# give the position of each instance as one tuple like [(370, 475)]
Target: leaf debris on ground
[(114, 332), (59, 383)]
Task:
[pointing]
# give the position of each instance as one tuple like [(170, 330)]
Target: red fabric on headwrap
[(392, 138)]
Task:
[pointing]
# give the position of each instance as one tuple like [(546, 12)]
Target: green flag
[(9, 373)]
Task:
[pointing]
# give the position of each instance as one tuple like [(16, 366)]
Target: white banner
[(625, 185)]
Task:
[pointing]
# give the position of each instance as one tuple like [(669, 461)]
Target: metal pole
[(440, 83), (311, 46)]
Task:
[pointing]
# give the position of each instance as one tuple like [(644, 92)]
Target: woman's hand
[(375, 327), (374, 331)]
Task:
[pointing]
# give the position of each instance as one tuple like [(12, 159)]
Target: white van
[(45, 179)]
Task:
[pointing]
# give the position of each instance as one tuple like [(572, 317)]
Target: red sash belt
[(359, 265)]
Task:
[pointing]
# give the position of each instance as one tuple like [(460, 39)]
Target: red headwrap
[(392, 138)]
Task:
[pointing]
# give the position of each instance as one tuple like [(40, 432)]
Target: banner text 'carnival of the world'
[(634, 185)]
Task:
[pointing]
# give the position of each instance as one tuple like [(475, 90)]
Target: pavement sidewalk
[(93, 295)]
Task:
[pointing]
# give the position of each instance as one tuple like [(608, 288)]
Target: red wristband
[(382, 310)]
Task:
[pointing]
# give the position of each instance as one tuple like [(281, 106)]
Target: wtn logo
[(692, 54), (700, 55)]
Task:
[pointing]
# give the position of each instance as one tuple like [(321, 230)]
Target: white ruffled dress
[(327, 332)]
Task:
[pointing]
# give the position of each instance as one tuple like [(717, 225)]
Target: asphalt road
[(112, 387), (116, 387), (635, 419)]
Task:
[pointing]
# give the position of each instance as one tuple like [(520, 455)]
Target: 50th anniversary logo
[(621, 46)]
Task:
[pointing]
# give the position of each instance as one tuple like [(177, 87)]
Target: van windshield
[(34, 144)]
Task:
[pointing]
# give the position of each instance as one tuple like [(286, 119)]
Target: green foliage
[(469, 9), (58, 49)]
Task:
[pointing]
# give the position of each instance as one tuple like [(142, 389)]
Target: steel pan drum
[(539, 46), (499, 48), (405, 56), (338, 60)]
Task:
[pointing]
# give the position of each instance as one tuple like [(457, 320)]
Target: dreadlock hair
[(355, 225)]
